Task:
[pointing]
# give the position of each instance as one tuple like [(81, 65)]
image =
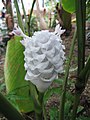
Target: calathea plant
[(44, 58)]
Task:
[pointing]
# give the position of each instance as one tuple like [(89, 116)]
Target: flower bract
[(44, 57)]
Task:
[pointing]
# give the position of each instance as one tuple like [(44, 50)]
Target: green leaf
[(2, 86), (50, 92), (58, 81), (69, 5), (67, 107), (69, 96), (15, 73), (53, 113), (35, 97), (83, 118), (80, 108)]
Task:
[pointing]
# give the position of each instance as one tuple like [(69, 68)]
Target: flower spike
[(44, 57)]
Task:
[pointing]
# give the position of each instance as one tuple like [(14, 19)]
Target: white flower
[(44, 58), (17, 31), (58, 30)]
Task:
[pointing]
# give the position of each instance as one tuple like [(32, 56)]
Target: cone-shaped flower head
[(44, 57)]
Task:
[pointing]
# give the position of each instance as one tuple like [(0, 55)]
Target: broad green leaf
[(69, 5), (15, 73)]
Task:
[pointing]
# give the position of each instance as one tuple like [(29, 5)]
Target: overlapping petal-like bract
[(44, 58)]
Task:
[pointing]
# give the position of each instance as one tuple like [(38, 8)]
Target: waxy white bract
[(44, 57)]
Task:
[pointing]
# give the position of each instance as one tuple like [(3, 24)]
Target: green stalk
[(20, 21), (26, 23), (29, 19), (39, 116), (8, 110), (80, 19), (37, 100), (80, 83), (44, 112), (75, 106), (62, 102)]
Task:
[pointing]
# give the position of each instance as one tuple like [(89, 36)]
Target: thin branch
[(20, 22), (80, 83), (29, 19), (62, 102), (26, 22)]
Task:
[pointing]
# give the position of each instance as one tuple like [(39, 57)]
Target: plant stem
[(29, 19), (62, 102), (44, 113), (39, 116), (38, 101), (83, 74), (7, 109), (26, 23), (20, 21), (80, 83), (75, 106), (80, 19)]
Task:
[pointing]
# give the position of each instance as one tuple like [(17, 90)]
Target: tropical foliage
[(23, 96)]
